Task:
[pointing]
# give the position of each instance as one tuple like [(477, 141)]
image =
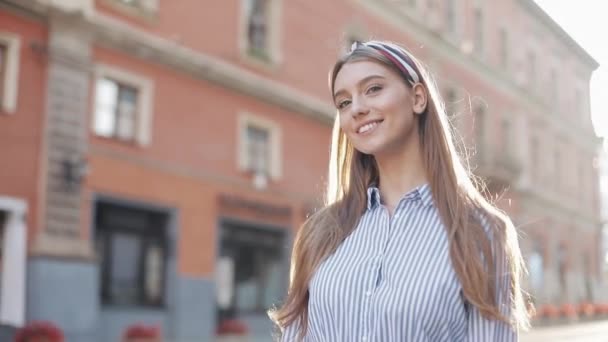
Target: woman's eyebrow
[(362, 81)]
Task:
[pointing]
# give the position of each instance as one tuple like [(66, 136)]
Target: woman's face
[(377, 109)]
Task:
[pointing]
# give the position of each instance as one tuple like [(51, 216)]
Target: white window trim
[(13, 277), (84, 6), (453, 36), (507, 141), (246, 119), (274, 35), (145, 87), (480, 52), (532, 78), (148, 8), (11, 77), (508, 62)]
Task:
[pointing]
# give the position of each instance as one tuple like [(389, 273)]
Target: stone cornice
[(110, 32), (559, 32), (445, 51), (557, 209)]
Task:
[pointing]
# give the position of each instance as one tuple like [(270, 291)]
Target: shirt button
[(368, 293), (363, 338)]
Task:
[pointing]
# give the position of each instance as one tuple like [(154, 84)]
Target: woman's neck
[(399, 174)]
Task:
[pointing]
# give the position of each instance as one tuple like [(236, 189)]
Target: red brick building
[(162, 153)]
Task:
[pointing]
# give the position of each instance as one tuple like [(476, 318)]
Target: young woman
[(406, 248)]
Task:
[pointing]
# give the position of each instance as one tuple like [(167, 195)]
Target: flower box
[(232, 327), (142, 333), (39, 331)]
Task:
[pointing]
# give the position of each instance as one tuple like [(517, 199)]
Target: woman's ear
[(420, 98)]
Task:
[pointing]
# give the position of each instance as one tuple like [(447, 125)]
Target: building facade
[(160, 155)]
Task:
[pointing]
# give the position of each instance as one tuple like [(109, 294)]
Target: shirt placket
[(375, 269)]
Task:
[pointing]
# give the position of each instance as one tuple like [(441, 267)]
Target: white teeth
[(367, 127)]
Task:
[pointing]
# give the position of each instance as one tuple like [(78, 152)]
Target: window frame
[(104, 233), (532, 68), (267, 252), (142, 134), (146, 9), (246, 120), (479, 37), (272, 57), (10, 81), (4, 214), (503, 49)]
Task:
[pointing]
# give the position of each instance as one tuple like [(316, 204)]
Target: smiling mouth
[(368, 128)]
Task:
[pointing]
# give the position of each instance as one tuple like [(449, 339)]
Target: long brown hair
[(463, 210)]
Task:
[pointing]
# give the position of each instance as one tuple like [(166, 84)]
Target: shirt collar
[(373, 197), (421, 193)]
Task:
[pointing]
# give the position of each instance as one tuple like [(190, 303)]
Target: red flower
[(568, 310), (232, 326), (549, 311), (39, 331), (602, 308), (586, 309), (142, 331)]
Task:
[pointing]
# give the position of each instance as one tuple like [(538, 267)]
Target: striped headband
[(396, 55)]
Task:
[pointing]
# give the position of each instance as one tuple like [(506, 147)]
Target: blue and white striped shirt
[(392, 280)]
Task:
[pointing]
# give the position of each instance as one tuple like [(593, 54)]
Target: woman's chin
[(371, 150)]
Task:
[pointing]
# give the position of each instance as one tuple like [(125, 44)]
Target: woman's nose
[(359, 107)]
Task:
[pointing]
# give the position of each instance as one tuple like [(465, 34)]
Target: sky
[(586, 22)]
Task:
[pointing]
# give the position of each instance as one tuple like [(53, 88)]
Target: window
[(260, 31), (588, 260), (558, 170), (116, 108), (536, 267), (3, 217), (9, 71), (478, 38), (257, 27), (579, 107), (256, 269), (353, 32), (131, 2), (450, 101), (450, 16), (259, 147), (123, 104), (131, 245), (534, 158), (506, 136), (581, 180), (553, 83), (3, 67), (479, 125), (531, 68), (350, 40), (504, 49), (136, 6), (562, 267), (258, 140)]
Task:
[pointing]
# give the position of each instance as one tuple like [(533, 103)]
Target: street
[(583, 332)]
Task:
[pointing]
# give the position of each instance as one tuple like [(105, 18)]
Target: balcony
[(496, 166)]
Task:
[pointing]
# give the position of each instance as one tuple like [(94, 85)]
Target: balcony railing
[(496, 165)]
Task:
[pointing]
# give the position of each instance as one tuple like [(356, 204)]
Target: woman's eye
[(374, 89), (343, 104)]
